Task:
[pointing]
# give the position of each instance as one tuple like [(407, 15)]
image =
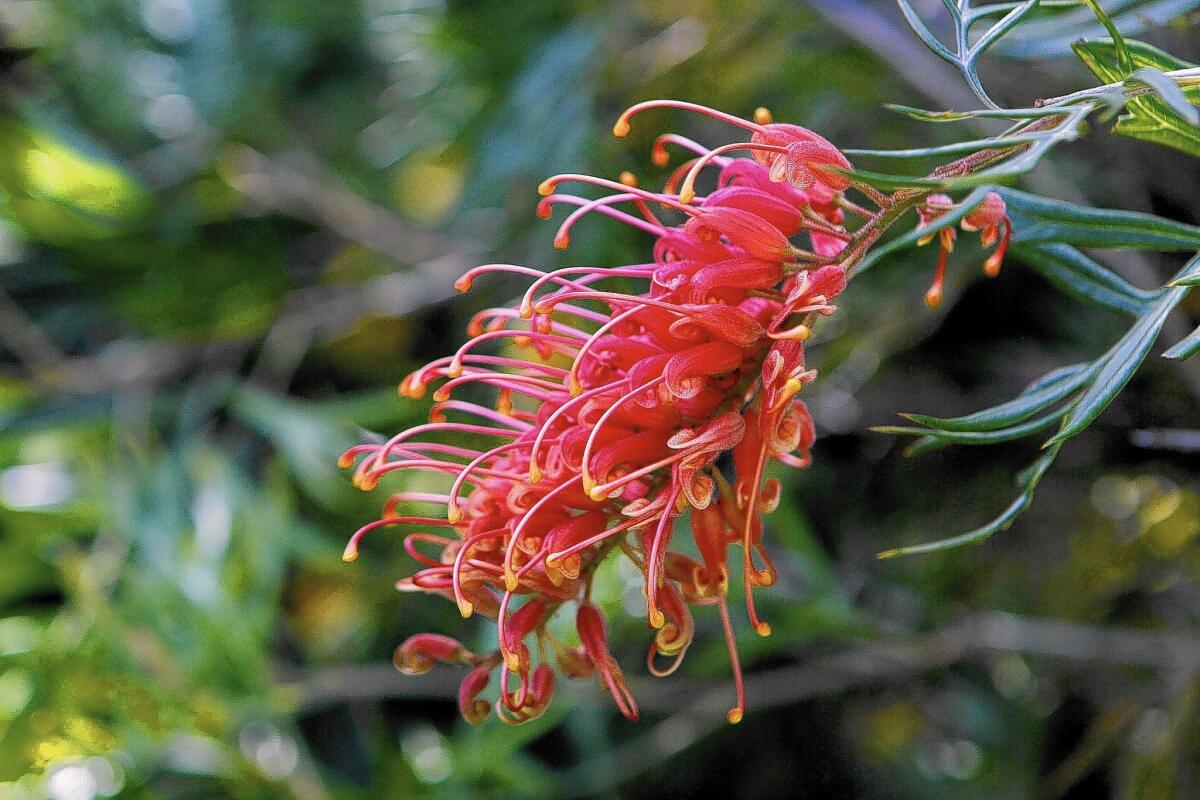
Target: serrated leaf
[(1039, 219), (1038, 397), (1082, 278), (1118, 366), (1028, 481)]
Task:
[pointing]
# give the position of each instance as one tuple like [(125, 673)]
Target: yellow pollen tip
[(441, 395), (466, 608), (628, 178), (734, 716), (597, 494), (454, 369), (686, 193), (513, 662), (525, 310), (621, 128), (546, 187), (933, 298), (803, 332), (510, 581), (657, 620), (575, 387), (763, 629), (453, 513), (350, 554), (535, 473), (762, 115)]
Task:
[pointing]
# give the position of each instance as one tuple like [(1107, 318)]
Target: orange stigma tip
[(463, 285), (466, 608), (735, 716), (562, 242), (441, 395), (933, 298), (628, 178), (350, 554), (346, 461), (991, 267), (621, 128), (546, 188), (762, 115), (763, 629), (660, 157)]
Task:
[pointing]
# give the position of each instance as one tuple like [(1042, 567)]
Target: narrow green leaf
[(1186, 347), (1028, 481), (977, 437), (923, 33), (955, 116), (1039, 219), (1119, 365), (958, 148), (1082, 278), (1189, 275), (1124, 59), (1040, 396)]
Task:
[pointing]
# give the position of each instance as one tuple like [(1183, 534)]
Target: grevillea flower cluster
[(614, 416)]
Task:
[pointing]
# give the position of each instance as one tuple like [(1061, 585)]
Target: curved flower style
[(626, 412)]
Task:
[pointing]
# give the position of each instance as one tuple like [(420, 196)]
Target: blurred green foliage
[(227, 231)]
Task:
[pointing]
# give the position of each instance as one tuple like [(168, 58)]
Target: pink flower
[(611, 410)]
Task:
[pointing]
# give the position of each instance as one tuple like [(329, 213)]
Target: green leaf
[(1189, 275), (976, 437), (1028, 480), (1040, 396), (1170, 92), (1118, 366), (1149, 118), (1039, 219), (925, 115), (1124, 59), (1082, 278), (1186, 347)]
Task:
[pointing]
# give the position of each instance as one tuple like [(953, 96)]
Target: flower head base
[(988, 218), (615, 417)]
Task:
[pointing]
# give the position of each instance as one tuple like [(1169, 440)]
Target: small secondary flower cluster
[(612, 410)]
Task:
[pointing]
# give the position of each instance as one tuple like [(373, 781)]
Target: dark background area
[(229, 229)]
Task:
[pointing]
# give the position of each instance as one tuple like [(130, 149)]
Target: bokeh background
[(228, 229)]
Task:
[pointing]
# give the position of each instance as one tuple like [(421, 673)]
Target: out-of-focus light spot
[(171, 116), (196, 755), (214, 522), (958, 760), (427, 754), (169, 20), (153, 74), (36, 486), (890, 731), (71, 781), (426, 190), (276, 754), (58, 172), (1151, 731), (16, 690), (1115, 497), (110, 777), (1011, 675), (836, 409), (12, 244), (199, 582), (17, 635)]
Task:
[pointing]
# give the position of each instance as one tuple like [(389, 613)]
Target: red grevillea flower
[(988, 218), (610, 411)]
